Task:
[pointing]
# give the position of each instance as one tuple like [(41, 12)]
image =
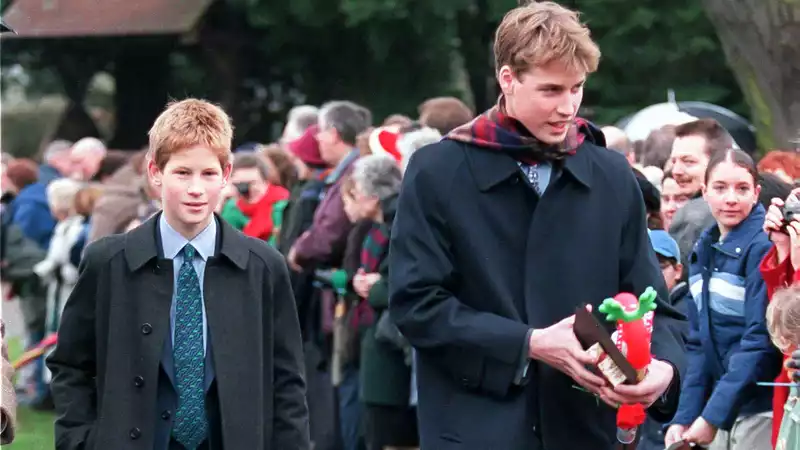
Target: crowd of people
[(454, 339)]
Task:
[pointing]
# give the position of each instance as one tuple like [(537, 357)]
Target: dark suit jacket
[(110, 383), (477, 259)]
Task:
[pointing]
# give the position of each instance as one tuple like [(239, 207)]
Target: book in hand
[(594, 337)]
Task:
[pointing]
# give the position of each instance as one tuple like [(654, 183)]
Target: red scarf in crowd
[(260, 225)]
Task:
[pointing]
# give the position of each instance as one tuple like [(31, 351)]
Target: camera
[(791, 211), (244, 189)]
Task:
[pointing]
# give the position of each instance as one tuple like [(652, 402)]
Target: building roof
[(96, 18)]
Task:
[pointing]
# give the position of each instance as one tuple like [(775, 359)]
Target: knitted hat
[(306, 147), (383, 141)]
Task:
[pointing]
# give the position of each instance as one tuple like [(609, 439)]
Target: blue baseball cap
[(664, 245)]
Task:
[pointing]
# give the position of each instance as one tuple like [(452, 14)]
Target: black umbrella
[(742, 131), (4, 28)]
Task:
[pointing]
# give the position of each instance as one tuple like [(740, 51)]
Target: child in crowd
[(783, 322)]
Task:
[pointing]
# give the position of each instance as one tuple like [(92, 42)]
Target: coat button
[(138, 381), (147, 329), (166, 415), (135, 433)]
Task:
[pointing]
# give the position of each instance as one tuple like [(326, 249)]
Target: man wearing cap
[(669, 258)]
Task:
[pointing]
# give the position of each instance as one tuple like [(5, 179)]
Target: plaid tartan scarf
[(373, 250), (495, 129), (375, 247)]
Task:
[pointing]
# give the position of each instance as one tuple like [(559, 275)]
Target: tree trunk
[(760, 40)]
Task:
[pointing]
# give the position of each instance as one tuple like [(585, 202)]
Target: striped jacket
[(728, 348)]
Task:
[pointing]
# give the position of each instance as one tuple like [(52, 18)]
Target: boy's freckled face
[(191, 185)]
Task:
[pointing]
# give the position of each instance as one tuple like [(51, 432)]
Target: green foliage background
[(392, 54)]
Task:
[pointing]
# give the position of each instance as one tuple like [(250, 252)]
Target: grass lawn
[(34, 429)]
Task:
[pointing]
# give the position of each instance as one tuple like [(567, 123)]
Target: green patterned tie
[(190, 426)]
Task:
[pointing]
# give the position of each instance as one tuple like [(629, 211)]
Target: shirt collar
[(173, 242), (342, 166)]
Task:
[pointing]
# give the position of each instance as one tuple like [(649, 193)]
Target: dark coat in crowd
[(478, 259), (108, 367)]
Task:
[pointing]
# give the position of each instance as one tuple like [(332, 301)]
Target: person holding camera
[(779, 268), (256, 196)]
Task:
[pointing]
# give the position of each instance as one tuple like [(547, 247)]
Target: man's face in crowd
[(689, 161), (329, 148), (672, 199), (545, 99), (252, 177), (85, 164), (62, 162)]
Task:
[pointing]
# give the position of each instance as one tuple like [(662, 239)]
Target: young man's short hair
[(251, 161), (538, 33), (716, 136), (189, 123)]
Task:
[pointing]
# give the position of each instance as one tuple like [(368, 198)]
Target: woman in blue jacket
[(728, 348)]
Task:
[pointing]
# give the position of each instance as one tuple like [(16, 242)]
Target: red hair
[(775, 160)]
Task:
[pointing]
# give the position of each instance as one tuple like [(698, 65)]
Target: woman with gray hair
[(385, 373), (376, 179)]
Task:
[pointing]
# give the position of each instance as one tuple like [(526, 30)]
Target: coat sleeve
[(73, 363), (639, 269), (755, 355), (290, 411), (775, 273), (328, 233), (21, 254), (35, 222), (695, 386), (478, 349)]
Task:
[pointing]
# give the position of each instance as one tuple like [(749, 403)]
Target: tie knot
[(189, 252)]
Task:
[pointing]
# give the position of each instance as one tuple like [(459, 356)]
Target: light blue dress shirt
[(538, 175), (172, 243)]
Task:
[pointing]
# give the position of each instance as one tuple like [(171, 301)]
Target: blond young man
[(503, 230), (181, 333)]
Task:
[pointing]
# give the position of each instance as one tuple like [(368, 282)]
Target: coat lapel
[(490, 168), (235, 312)]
